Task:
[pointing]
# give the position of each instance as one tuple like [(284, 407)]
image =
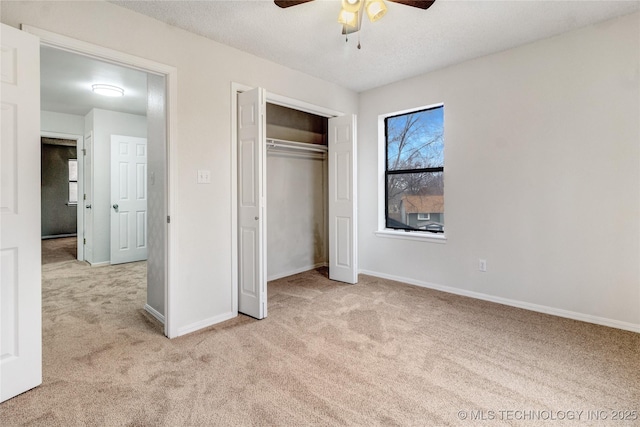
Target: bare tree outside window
[(414, 170)]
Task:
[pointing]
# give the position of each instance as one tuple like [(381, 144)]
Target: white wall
[(296, 213), (206, 70), (542, 176), (105, 124), (61, 123)]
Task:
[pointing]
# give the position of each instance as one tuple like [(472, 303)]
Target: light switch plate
[(204, 176)]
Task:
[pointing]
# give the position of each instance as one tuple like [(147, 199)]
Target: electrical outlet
[(482, 265)]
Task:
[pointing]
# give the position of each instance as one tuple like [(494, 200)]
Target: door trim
[(273, 98), (48, 38), (80, 208)]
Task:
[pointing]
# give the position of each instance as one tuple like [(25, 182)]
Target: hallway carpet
[(329, 354)]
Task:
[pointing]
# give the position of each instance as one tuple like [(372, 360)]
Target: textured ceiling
[(66, 79), (404, 43)]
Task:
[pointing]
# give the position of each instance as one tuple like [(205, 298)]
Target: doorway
[(160, 108), (112, 214), (59, 186)]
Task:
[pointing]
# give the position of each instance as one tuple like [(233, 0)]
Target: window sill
[(412, 235)]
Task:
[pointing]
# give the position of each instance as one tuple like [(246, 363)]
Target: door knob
[(88, 206), (116, 207)]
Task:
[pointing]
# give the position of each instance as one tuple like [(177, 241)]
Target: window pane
[(416, 201), (73, 169), (73, 192), (415, 140)]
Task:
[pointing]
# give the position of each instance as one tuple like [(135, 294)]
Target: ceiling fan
[(352, 10)]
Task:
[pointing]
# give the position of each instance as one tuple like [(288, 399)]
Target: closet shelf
[(281, 143)]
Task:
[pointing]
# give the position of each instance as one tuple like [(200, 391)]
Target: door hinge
[(168, 219), (84, 241), (84, 151), (84, 197)]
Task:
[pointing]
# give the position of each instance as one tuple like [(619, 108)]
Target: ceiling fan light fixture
[(347, 18), (107, 90), (351, 5), (376, 9)]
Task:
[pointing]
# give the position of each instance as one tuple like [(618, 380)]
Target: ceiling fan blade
[(420, 4), (288, 3)]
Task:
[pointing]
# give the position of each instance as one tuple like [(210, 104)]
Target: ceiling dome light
[(107, 90)]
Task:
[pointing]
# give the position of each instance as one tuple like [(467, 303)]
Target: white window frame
[(424, 217), (382, 145)]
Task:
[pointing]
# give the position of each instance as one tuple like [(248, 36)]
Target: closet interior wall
[(297, 229)]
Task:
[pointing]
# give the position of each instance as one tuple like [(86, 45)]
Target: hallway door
[(128, 199)]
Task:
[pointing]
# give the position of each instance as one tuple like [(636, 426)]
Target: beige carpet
[(377, 353)]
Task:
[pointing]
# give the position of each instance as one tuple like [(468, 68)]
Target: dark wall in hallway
[(59, 217)]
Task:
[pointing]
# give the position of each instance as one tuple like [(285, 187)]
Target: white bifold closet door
[(343, 237), (252, 265)]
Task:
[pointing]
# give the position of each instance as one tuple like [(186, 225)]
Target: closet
[(297, 191), (305, 187)]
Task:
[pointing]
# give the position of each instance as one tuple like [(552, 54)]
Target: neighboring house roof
[(423, 204)]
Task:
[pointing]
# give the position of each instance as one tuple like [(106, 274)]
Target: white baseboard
[(513, 303), (205, 323), (296, 271), (98, 264), (58, 236), (155, 313)]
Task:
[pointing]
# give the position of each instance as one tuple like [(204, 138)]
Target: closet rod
[(281, 143)]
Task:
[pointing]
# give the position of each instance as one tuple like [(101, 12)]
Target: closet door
[(343, 259), (252, 266)]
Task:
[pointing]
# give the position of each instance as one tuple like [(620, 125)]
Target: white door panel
[(252, 274), (88, 197), (128, 199), (342, 200), (20, 244)]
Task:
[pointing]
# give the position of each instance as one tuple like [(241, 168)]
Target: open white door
[(252, 265), (128, 199), (343, 256), (87, 198), (21, 274)]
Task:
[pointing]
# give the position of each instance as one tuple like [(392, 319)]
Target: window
[(73, 181), (414, 168)]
